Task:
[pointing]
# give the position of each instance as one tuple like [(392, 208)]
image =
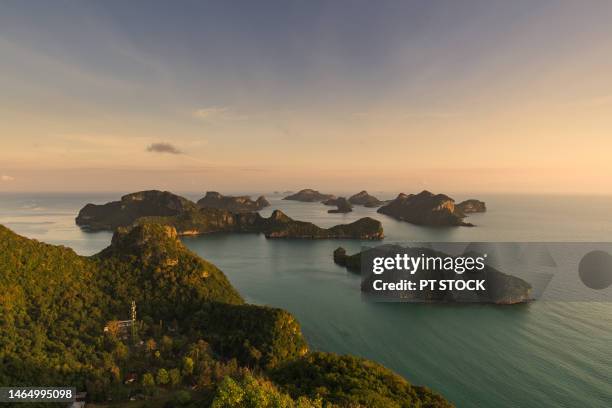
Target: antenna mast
[(133, 316)]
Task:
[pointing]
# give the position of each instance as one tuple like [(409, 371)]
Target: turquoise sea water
[(543, 354)]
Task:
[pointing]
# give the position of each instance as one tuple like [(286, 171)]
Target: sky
[(255, 96)]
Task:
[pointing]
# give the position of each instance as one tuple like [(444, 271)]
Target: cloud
[(407, 115), (217, 113), (209, 113), (4, 177), (163, 148)]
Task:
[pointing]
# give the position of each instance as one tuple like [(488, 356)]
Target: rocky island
[(309, 195), (236, 204), (365, 199), (343, 206), (165, 208), (501, 288), (472, 206), (278, 225), (331, 201), (188, 329), (122, 213), (425, 208)]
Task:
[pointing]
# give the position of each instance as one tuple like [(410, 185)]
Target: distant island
[(309, 195), (343, 206), (162, 207), (426, 208), (147, 315), (278, 225), (501, 288), (472, 206), (236, 204), (365, 199), (331, 201)]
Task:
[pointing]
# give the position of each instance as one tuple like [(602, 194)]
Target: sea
[(552, 353)]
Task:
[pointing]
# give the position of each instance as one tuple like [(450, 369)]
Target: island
[(365, 199), (309, 196), (132, 206), (331, 201), (278, 225), (165, 208), (501, 288), (425, 208), (472, 206), (236, 204), (343, 206), (147, 317)]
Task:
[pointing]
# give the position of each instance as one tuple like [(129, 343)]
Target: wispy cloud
[(163, 148), (218, 113), (4, 177), (407, 115)]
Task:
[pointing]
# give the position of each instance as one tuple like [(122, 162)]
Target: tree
[(166, 344), (162, 376), (148, 380), (187, 366), (151, 345), (229, 394), (121, 351), (251, 392), (175, 376)]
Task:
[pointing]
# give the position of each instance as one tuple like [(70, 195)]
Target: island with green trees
[(426, 208), (162, 207), (213, 199), (147, 319)]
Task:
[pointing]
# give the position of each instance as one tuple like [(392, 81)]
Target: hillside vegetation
[(59, 324)]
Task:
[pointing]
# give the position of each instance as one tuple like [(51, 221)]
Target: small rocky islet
[(343, 206), (365, 199), (309, 195), (472, 206)]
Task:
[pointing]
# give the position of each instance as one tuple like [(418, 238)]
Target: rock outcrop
[(310, 196), (501, 288), (471, 206), (425, 208), (365, 199), (343, 206), (213, 199), (340, 256)]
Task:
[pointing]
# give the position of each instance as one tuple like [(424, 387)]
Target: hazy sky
[(453, 96)]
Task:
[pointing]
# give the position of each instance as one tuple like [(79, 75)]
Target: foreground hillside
[(59, 324)]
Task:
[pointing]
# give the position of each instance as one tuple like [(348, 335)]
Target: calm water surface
[(541, 354)]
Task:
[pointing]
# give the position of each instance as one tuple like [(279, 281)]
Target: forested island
[(365, 199), (309, 195), (426, 208), (162, 207), (146, 317), (501, 288), (213, 199)]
